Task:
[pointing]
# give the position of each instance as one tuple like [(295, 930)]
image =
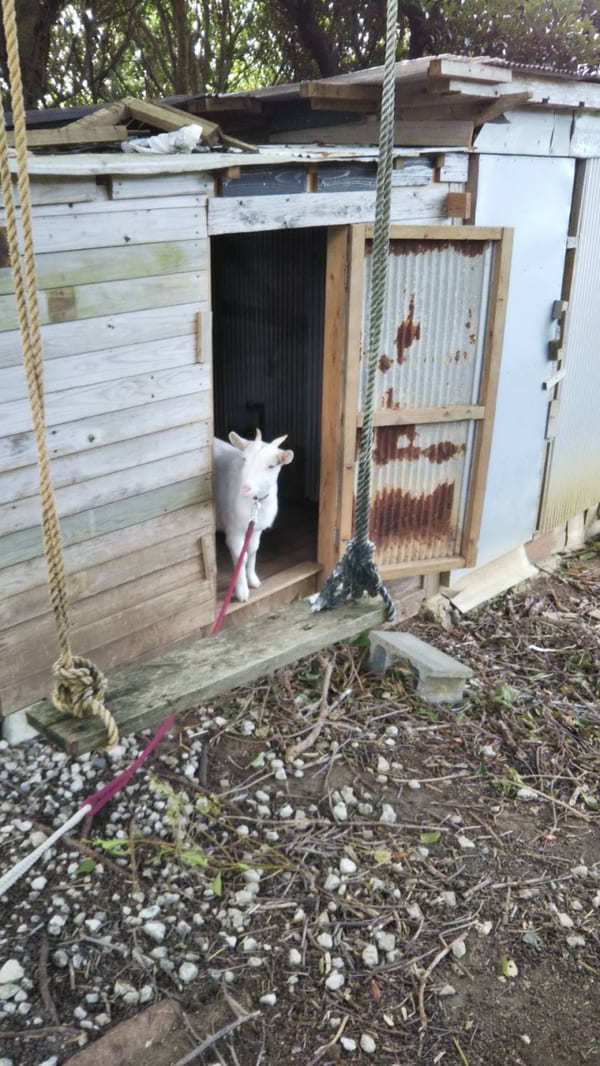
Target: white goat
[(246, 475)]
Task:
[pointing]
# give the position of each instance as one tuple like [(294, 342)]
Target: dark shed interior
[(268, 294)]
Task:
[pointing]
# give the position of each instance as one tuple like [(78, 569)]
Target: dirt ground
[(418, 884)]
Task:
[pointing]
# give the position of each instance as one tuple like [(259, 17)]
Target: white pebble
[(347, 866), (269, 999), (565, 920), (188, 971), (386, 941), (155, 930), (414, 784), (368, 1044), (464, 842), (388, 814), (340, 812), (576, 941), (370, 955), (334, 981), (382, 765), (325, 940), (448, 898), (148, 913), (348, 1043), (459, 949), (332, 881), (11, 971), (249, 944), (286, 811), (38, 884), (447, 990), (294, 957), (527, 793), (93, 925), (242, 831)]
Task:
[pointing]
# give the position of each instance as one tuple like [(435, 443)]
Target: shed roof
[(441, 102)]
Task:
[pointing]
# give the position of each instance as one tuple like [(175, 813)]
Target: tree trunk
[(317, 43), (35, 22)]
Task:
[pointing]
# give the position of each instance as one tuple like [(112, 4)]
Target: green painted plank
[(27, 544), (104, 332), (89, 434), (89, 265), (86, 401), (143, 695), (114, 225), (111, 297)]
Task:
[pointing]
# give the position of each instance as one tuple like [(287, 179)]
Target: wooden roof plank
[(71, 135)]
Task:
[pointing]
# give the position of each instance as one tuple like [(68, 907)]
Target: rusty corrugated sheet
[(418, 490), (431, 356), (434, 322), (573, 483)]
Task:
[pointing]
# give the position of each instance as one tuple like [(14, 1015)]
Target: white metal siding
[(574, 472), (533, 195)]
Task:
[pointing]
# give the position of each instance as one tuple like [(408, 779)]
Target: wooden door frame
[(341, 368)]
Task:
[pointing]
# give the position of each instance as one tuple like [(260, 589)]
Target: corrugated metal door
[(435, 392), (573, 469)]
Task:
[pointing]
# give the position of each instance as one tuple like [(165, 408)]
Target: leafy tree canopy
[(77, 52)]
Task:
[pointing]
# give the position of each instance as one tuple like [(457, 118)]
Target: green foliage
[(86, 866), (74, 52), (112, 846)]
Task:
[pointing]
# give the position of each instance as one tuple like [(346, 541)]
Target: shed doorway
[(268, 296)]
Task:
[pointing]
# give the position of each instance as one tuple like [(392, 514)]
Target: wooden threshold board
[(143, 695)]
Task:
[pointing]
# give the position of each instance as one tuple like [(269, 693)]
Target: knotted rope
[(79, 685), (356, 572)]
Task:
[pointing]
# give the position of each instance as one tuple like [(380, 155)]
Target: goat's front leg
[(235, 543), (253, 580)]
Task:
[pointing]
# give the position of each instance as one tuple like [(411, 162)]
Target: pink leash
[(106, 793)]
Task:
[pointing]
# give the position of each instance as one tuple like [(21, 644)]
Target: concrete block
[(16, 728), (438, 677)]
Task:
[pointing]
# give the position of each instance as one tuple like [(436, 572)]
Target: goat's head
[(262, 462)]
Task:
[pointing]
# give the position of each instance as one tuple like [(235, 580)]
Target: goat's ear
[(285, 457), (237, 441), (258, 434), (279, 440)]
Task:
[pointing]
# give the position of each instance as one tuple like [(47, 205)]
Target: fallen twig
[(330, 1043), (428, 972), (303, 745), (45, 996), (210, 1040), (85, 849)]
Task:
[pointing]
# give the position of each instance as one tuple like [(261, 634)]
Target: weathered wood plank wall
[(129, 415)]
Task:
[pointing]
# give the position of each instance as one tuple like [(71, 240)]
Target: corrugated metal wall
[(432, 355), (574, 472), (268, 304)]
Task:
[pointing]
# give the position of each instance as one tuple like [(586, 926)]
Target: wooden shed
[(184, 295)]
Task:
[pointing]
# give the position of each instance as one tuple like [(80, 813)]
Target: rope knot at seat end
[(352, 576), (79, 689)]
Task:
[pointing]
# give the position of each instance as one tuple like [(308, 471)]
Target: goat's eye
[(272, 466)]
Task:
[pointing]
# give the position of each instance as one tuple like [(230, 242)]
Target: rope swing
[(356, 572), (79, 686)]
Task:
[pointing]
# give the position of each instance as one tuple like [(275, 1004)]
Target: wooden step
[(196, 671)]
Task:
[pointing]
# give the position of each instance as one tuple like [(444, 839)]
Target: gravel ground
[(414, 883)]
